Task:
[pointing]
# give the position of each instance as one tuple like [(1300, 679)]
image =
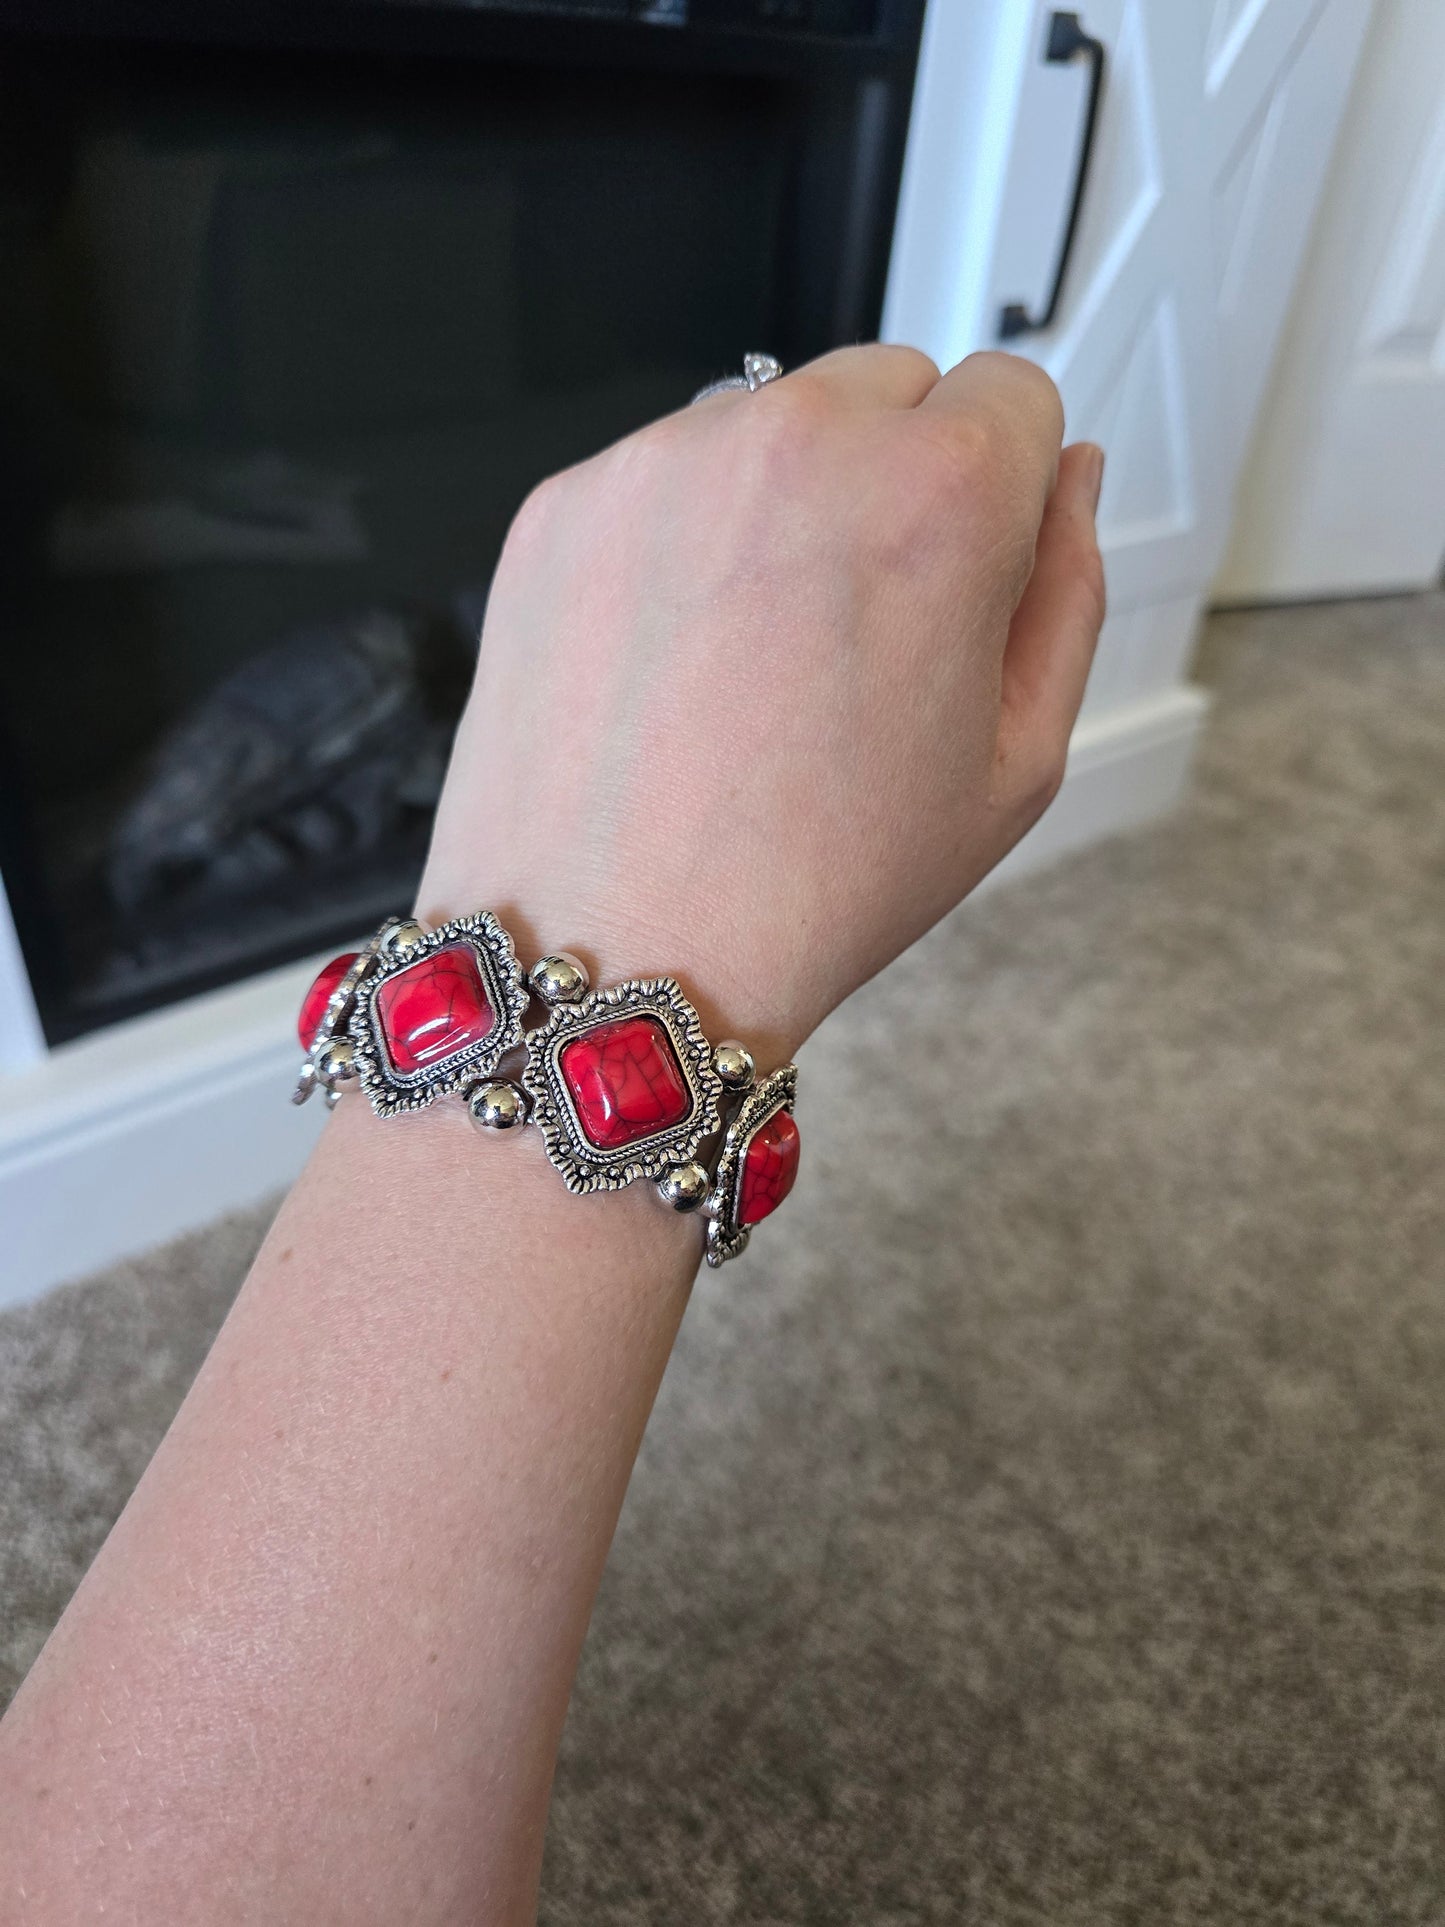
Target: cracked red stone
[(770, 1166), (625, 1081), (313, 1007), (433, 1009)]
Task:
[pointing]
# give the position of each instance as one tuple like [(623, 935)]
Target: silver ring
[(758, 370)]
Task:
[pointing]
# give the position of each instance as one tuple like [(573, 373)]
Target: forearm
[(320, 1669), (764, 691)]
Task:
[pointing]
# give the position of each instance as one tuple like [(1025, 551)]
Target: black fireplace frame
[(866, 49)]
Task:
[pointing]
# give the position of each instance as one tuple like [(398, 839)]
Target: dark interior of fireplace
[(285, 337)]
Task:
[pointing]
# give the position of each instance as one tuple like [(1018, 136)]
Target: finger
[(1014, 407), (877, 374), (1055, 628)]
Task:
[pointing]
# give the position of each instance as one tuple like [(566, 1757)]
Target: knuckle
[(781, 428), (1049, 778), (923, 367), (960, 468), (1026, 377), (799, 407), (640, 458), (538, 510), (1093, 586), (1040, 779), (1031, 770)]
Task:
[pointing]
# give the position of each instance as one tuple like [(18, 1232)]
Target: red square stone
[(433, 1008), (770, 1166), (625, 1081)]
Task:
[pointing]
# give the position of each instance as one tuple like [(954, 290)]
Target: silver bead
[(685, 1186), (498, 1105), (733, 1064), (559, 979), (335, 1063), (401, 936), (333, 1098)]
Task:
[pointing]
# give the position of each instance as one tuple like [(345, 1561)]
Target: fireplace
[(297, 301)]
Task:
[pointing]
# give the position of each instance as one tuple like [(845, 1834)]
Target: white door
[(1216, 127), (1345, 487)]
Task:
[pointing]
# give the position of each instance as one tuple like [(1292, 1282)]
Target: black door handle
[(1066, 38)]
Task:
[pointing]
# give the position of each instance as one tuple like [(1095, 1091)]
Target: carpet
[(1046, 1522)]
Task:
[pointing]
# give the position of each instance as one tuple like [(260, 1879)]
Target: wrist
[(738, 978), (431, 1170), (622, 1081)]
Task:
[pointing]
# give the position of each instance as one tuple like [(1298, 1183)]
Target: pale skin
[(763, 692)]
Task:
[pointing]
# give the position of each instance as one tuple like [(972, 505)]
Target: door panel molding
[(1216, 128)]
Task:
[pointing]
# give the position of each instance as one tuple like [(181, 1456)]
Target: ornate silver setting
[(350, 1047), (391, 1092), (585, 1167), (733, 1063), (685, 1186), (336, 1015), (498, 1105), (559, 979), (399, 934), (726, 1238)]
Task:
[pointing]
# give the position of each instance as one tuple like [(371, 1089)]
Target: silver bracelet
[(621, 1083)]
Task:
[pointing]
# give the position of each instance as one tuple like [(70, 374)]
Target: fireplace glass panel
[(284, 339)]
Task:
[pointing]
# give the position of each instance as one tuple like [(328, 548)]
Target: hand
[(763, 691), (766, 688)]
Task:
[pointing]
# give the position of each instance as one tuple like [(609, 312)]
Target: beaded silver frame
[(584, 1167), (726, 1238), (391, 1092)]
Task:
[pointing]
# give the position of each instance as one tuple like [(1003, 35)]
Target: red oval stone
[(313, 1007), (770, 1166), (625, 1081), (433, 1008)]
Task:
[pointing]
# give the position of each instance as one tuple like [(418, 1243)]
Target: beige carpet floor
[(1046, 1523)]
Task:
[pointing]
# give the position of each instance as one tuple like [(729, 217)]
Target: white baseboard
[(120, 1141)]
